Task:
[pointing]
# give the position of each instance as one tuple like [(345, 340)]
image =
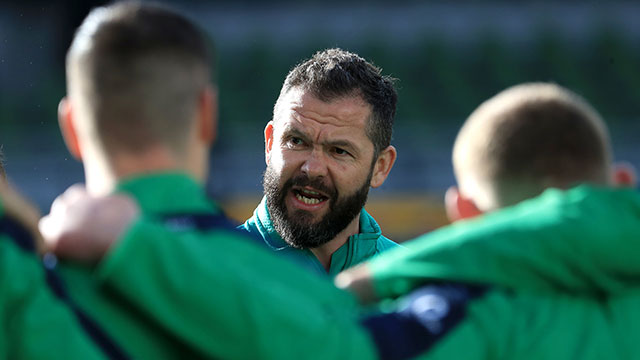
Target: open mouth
[(309, 197)]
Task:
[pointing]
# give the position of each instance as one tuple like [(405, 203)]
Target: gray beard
[(298, 230)]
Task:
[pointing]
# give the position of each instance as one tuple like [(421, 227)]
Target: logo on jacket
[(430, 310)]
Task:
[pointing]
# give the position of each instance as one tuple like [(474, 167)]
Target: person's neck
[(102, 177), (324, 252)]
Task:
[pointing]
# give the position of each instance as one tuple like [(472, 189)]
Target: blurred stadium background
[(448, 57)]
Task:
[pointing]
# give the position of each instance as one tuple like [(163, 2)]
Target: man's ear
[(208, 114), (383, 165), (623, 174), (268, 141), (66, 121), (458, 206)]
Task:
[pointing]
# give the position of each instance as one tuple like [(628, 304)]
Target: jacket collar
[(369, 228)]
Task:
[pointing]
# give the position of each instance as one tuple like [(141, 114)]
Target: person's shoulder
[(384, 244), (587, 198), (370, 227)]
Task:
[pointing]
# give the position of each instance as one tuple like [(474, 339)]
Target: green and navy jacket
[(360, 247), (34, 322), (556, 277), (183, 282)]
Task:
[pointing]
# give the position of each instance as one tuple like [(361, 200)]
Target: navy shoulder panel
[(18, 234), (421, 319), (206, 222), (202, 222)]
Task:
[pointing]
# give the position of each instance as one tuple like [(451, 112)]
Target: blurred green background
[(447, 56)]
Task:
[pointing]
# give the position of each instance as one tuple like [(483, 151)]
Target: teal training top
[(34, 324), (172, 290), (358, 248), (555, 277)]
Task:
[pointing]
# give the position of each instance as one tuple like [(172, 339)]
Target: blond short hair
[(527, 138)]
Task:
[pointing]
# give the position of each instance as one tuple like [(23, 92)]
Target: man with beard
[(328, 142)]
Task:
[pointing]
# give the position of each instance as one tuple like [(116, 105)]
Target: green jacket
[(176, 290), (358, 248), (556, 277), (34, 324)]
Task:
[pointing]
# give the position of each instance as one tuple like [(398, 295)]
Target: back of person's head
[(135, 72), (528, 138), (335, 73)]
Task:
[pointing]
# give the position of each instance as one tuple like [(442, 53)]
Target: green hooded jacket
[(555, 277), (369, 242)]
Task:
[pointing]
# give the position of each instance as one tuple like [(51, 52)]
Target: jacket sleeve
[(228, 298)]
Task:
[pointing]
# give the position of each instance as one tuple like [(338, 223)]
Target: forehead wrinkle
[(342, 111), (328, 141), (347, 109), (314, 119), (299, 114), (336, 115)]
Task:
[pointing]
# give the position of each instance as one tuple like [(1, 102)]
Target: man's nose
[(315, 165)]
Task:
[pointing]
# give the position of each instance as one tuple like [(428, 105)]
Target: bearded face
[(321, 163), (297, 226)]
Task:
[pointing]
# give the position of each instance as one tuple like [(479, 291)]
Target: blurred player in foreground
[(182, 282), (328, 143), (553, 277)]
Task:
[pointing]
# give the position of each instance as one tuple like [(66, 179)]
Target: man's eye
[(340, 151), (294, 141)]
